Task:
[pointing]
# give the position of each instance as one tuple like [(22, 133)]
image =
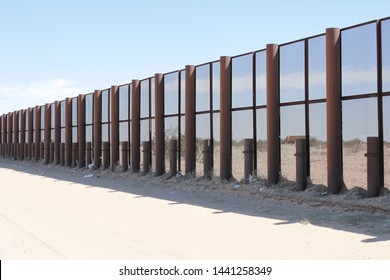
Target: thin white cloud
[(351, 76), (171, 85), (17, 97)]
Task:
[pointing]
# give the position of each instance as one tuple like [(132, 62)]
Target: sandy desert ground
[(51, 212), (355, 164)]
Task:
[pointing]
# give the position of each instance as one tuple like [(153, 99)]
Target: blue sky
[(56, 49)]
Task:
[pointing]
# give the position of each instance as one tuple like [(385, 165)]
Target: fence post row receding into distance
[(289, 111)]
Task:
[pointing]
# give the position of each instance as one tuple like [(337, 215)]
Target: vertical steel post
[(333, 110), (68, 131), (173, 157), (226, 117), (37, 132), (57, 131), (62, 154), (47, 132), (135, 125), (41, 151), (25, 150), (124, 162), (273, 109), (249, 161), (9, 134), (106, 154), (22, 134), (97, 128), (75, 148), (307, 107), (81, 129), (301, 164), (373, 166), (52, 145), (9, 127), (5, 126), (114, 126), (1, 139), (146, 156), (2, 135), (30, 134), (33, 151), (6, 135), (16, 134), (207, 156), (189, 137), (159, 123), (89, 150), (380, 98)]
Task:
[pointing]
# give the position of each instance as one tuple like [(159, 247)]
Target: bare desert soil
[(355, 164), (52, 212)]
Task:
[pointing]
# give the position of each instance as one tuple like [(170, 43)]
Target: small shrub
[(316, 143), (353, 145)]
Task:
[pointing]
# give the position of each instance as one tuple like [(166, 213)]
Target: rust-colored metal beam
[(379, 54), (273, 109), (189, 140), (5, 137), (146, 156), (7, 129), (47, 132), (114, 126), (30, 135), (81, 129), (159, 124), (1, 139), (57, 131), (333, 110), (22, 134), (226, 117), (124, 152), (52, 152), (106, 154), (89, 153), (97, 128), (62, 154), (75, 149), (37, 132), (135, 125), (68, 131), (41, 150), (9, 134), (2, 134), (16, 135)]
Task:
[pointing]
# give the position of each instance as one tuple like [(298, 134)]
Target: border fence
[(316, 108)]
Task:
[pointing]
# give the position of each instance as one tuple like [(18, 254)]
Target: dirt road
[(47, 212)]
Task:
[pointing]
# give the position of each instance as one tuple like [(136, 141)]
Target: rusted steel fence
[(328, 92)]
